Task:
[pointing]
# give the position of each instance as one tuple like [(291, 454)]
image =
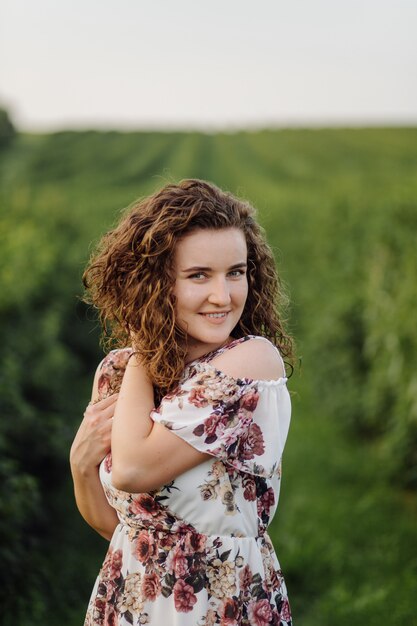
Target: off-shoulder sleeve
[(111, 371), (244, 423)]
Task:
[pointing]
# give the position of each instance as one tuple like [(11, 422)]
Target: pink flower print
[(272, 578), (256, 440), (250, 401), (116, 564), (285, 610), (266, 501), (229, 431), (252, 443), (144, 506), (245, 578), (260, 613), (210, 425), (184, 596), (104, 387), (144, 547), (230, 613), (108, 463), (110, 616), (151, 586), (194, 542), (167, 541), (99, 609), (226, 435), (249, 488), (197, 397), (176, 563), (112, 370), (112, 565)]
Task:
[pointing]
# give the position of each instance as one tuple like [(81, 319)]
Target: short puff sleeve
[(243, 422)]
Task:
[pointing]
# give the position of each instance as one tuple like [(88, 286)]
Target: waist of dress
[(182, 528)]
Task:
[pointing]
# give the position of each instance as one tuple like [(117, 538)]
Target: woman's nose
[(220, 293)]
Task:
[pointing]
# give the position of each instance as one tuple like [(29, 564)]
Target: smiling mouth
[(216, 315)]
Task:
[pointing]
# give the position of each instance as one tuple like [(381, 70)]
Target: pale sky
[(216, 64)]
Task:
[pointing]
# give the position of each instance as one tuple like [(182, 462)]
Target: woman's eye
[(232, 274), (197, 275)]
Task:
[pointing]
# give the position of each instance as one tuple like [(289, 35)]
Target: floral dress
[(196, 552)]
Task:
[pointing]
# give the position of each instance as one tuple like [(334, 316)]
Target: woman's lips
[(216, 318)]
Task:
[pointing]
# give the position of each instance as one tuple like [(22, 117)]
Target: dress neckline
[(209, 356)]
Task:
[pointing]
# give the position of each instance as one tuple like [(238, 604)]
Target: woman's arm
[(90, 446), (146, 454)]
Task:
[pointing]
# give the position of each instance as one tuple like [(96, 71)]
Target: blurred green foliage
[(340, 209), (7, 130)]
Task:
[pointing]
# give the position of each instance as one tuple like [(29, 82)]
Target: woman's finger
[(100, 413), (107, 413), (96, 407), (105, 402)]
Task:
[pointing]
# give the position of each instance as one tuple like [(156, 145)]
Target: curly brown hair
[(130, 279)]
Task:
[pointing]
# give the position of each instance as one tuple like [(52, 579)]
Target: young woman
[(178, 458)]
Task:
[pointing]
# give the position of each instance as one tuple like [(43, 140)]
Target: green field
[(340, 209)]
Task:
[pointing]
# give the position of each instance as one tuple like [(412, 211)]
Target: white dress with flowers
[(197, 552)]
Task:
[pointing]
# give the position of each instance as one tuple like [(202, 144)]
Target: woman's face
[(211, 286)]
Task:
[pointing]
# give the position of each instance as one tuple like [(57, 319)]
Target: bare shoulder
[(255, 358)]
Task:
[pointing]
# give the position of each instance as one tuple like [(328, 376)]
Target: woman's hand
[(93, 438)]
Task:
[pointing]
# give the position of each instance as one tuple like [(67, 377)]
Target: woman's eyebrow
[(201, 268)]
